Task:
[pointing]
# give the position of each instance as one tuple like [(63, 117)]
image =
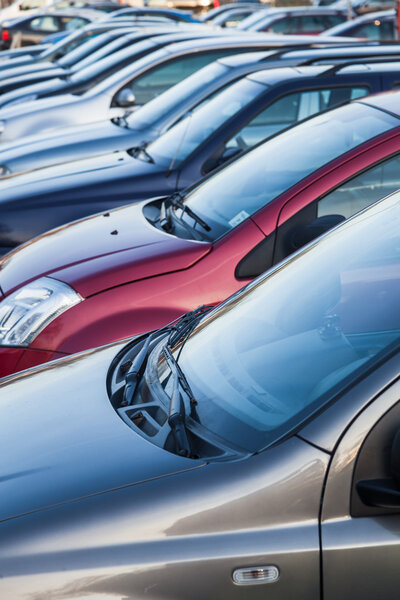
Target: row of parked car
[(199, 322)]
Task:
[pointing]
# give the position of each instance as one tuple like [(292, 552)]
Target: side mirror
[(125, 98), (384, 493), (303, 234)]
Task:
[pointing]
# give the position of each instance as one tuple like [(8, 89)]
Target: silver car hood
[(62, 440)]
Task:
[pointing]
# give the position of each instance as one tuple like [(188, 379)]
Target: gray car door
[(360, 537)]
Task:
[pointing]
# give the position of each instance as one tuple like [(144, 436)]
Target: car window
[(363, 190), (48, 24), (288, 110), (374, 31), (332, 20), (285, 25), (71, 23), (161, 78), (312, 24)]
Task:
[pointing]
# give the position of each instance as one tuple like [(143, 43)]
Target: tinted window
[(157, 108), (161, 78), (287, 110), (182, 139), (363, 190), (374, 31), (71, 23), (285, 25)]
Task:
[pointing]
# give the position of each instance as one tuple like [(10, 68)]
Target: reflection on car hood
[(62, 440), (100, 252), (23, 108)]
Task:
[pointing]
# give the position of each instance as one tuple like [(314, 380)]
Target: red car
[(118, 274)]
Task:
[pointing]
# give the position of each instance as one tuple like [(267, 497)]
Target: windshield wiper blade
[(135, 372), (176, 200), (137, 150), (177, 412)]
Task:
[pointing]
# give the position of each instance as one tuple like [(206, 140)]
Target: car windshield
[(248, 184), (156, 109), (186, 136), (282, 348)]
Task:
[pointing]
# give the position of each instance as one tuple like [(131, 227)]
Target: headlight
[(26, 312)]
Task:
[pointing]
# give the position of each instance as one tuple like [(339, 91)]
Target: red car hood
[(100, 252)]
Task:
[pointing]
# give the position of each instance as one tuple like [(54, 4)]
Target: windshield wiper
[(137, 150), (177, 411), (179, 330), (176, 200)]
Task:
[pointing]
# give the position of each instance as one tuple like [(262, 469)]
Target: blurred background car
[(31, 30), (300, 20), (380, 26), (155, 117)]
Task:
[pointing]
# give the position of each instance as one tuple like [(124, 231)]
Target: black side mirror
[(384, 493), (303, 234)]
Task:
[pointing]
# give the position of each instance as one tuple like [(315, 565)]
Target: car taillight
[(5, 35), (216, 3)]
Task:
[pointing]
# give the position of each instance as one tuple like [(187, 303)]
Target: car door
[(360, 540), (337, 196)]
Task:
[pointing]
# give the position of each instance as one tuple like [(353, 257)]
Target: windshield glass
[(281, 349), (156, 109), (181, 140), (248, 184)]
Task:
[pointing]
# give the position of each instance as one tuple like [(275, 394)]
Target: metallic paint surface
[(153, 536), (360, 555)]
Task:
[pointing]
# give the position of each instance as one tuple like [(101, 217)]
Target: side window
[(311, 24), (71, 23), (369, 31), (285, 25), (332, 20), (363, 190), (161, 78), (344, 201), (48, 24), (289, 109)]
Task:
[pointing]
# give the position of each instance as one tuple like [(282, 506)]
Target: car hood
[(43, 88), (62, 440), (32, 106), (68, 144), (100, 252)]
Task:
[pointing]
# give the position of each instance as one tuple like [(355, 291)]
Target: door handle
[(381, 493)]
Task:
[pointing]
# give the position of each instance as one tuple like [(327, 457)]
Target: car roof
[(387, 101)]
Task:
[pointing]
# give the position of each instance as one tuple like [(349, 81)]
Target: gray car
[(249, 452), (130, 87)]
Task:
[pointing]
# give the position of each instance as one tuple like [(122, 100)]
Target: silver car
[(132, 86), (247, 452)]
